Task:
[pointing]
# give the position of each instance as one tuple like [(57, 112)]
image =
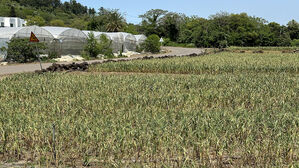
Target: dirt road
[(20, 68)]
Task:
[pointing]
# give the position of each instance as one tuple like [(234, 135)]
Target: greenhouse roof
[(96, 34), (58, 32), (140, 37), (24, 32), (9, 32)]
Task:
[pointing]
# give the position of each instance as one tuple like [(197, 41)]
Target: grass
[(185, 45), (220, 118), (234, 48), (224, 62)]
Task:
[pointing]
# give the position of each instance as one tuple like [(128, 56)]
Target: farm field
[(219, 110), (225, 62)]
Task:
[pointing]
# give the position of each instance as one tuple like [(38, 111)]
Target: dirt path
[(20, 68)]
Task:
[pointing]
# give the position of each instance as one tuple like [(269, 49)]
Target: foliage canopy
[(23, 51)]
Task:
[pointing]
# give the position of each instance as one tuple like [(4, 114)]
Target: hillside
[(48, 12)]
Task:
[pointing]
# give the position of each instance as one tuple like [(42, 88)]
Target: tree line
[(219, 30), (68, 7)]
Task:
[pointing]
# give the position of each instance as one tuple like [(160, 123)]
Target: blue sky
[(280, 11)]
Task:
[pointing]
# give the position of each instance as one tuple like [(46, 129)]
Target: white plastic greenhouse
[(117, 41), (140, 39), (67, 40), (130, 42), (6, 34), (63, 40), (122, 41), (97, 35)]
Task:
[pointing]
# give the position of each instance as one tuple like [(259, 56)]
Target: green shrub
[(105, 46), (139, 48), (2, 53), (53, 55), (295, 43), (91, 47), (85, 55), (57, 22), (152, 44), (166, 42), (23, 51), (190, 45), (94, 47)]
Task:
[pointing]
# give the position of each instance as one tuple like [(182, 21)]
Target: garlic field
[(219, 110)]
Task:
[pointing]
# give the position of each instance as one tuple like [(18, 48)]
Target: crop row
[(156, 120), (264, 48), (225, 62)]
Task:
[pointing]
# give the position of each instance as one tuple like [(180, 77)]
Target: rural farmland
[(153, 84), (226, 109)]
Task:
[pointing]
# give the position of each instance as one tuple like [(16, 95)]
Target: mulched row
[(84, 66), (65, 67)]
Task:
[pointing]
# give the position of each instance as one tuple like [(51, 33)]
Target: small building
[(12, 22)]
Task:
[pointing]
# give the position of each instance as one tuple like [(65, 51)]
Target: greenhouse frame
[(6, 34), (64, 40), (67, 40), (122, 41), (96, 34), (140, 39), (130, 42)]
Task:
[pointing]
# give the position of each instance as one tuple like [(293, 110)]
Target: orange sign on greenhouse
[(33, 38)]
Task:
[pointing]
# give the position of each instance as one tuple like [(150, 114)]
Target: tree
[(12, 12), (109, 20), (57, 22), (80, 24), (74, 7), (116, 21), (266, 38), (275, 31), (200, 30), (94, 48), (77, 8), (105, 46), (152, 44), (295, 43), (280, 35), (91, 12), (131, 28), (284, 38), (21, 50), (151, 20), (221, 20), (35, 20), (171, 24), (293, 29), (96, 23), (41, 3), (187, 30)]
